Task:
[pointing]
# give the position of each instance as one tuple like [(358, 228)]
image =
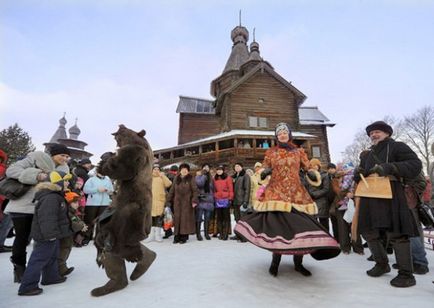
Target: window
[(258, 122), (204, 107), (316, 151)]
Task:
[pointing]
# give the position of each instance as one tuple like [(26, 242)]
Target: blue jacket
[(94, 196)]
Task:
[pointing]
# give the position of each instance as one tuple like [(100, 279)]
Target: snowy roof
[(241, 132), (189, 104), (311, 115)]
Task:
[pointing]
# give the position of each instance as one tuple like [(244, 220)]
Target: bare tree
[(418, 133), (362, 142)]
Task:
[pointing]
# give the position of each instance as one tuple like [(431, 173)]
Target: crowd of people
[(286, 204)]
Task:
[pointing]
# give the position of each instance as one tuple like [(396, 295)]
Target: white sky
[(113, 62)]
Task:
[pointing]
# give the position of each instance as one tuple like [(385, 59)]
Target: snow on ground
[(224, 274)]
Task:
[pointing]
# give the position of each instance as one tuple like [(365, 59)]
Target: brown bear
[(128, 220)]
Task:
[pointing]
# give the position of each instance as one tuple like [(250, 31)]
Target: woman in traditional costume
[(283, 222)]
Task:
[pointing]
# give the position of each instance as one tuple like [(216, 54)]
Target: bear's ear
[(121, 126), (142, 133)]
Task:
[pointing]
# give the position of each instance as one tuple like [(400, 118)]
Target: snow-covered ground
[(225, 274)]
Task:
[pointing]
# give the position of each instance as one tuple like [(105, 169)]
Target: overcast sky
[(112, 62)]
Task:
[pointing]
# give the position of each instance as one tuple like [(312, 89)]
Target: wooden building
[(250, 98)]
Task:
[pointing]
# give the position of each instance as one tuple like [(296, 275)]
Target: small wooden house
[(250, 98)]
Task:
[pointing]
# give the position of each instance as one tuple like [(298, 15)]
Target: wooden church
[(250, 98)]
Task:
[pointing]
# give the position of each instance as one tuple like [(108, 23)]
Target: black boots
[(275, 262), (148, 256), (405, 276), (378, 270), (206, 230), (298, 266), (18, 271), (198, 236)]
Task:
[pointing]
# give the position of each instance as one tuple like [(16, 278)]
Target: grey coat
[(26, 171), (320, 195), (241, 188)]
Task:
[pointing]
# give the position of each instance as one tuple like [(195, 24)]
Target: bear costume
[(128, 220)]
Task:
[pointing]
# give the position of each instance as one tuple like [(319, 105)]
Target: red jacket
[(223, 187)]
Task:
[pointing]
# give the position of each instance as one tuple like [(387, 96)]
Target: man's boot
[(380, 257), (198, 236), (298, 266), (206, 230), (405, 276), (116, 272), (148, 256), (275, 262)]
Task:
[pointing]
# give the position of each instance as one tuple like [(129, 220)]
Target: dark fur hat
[(58, 148), (184, 165), (379, 125)]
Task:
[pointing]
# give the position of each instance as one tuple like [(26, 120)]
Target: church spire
[(74, 131), (240, 53), (61, 130), (254, 49)]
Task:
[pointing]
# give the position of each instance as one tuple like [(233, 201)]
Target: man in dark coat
[(241, 192), (319, 193), (392, 217)]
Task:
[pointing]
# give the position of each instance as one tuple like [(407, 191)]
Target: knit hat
[(58, 177), (315, 162), (379, 125), (283, 127), (258, 165), (220, 167), (155, 166), (174, 168), (239, 164), (58, 148), (348, 166), (184, 165), (71, 197)]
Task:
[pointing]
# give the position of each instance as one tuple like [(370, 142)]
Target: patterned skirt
[(294, 233)]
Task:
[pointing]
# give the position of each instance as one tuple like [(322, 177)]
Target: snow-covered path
[(225, 274)]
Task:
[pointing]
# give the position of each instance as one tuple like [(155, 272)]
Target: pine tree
[(15, 142)]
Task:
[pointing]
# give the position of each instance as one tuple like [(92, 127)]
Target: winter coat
[(160, 183), (183, 193), (241, 188), (3, 158), (392, 215), (95, 197), (223, 187), (320, 195), (26, 171), (206, 196), (50, 220)]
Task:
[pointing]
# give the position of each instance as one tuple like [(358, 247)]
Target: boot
[(151, 236), (298, 266), (116, 272), (275, 262), (224, 231), (168, 233), (405, 276), (380, 257), (18, 271), (148, 256), (206, 231), (158, 234), (198, 236)]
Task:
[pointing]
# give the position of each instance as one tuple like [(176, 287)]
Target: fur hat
[(71, 197), (155, 166), (282, 126), (379, 125), (315, 162), (220, 167), (184, 165), (58, 148)]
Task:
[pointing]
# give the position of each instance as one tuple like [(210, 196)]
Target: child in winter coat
[(77, 225), (50, 223)]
